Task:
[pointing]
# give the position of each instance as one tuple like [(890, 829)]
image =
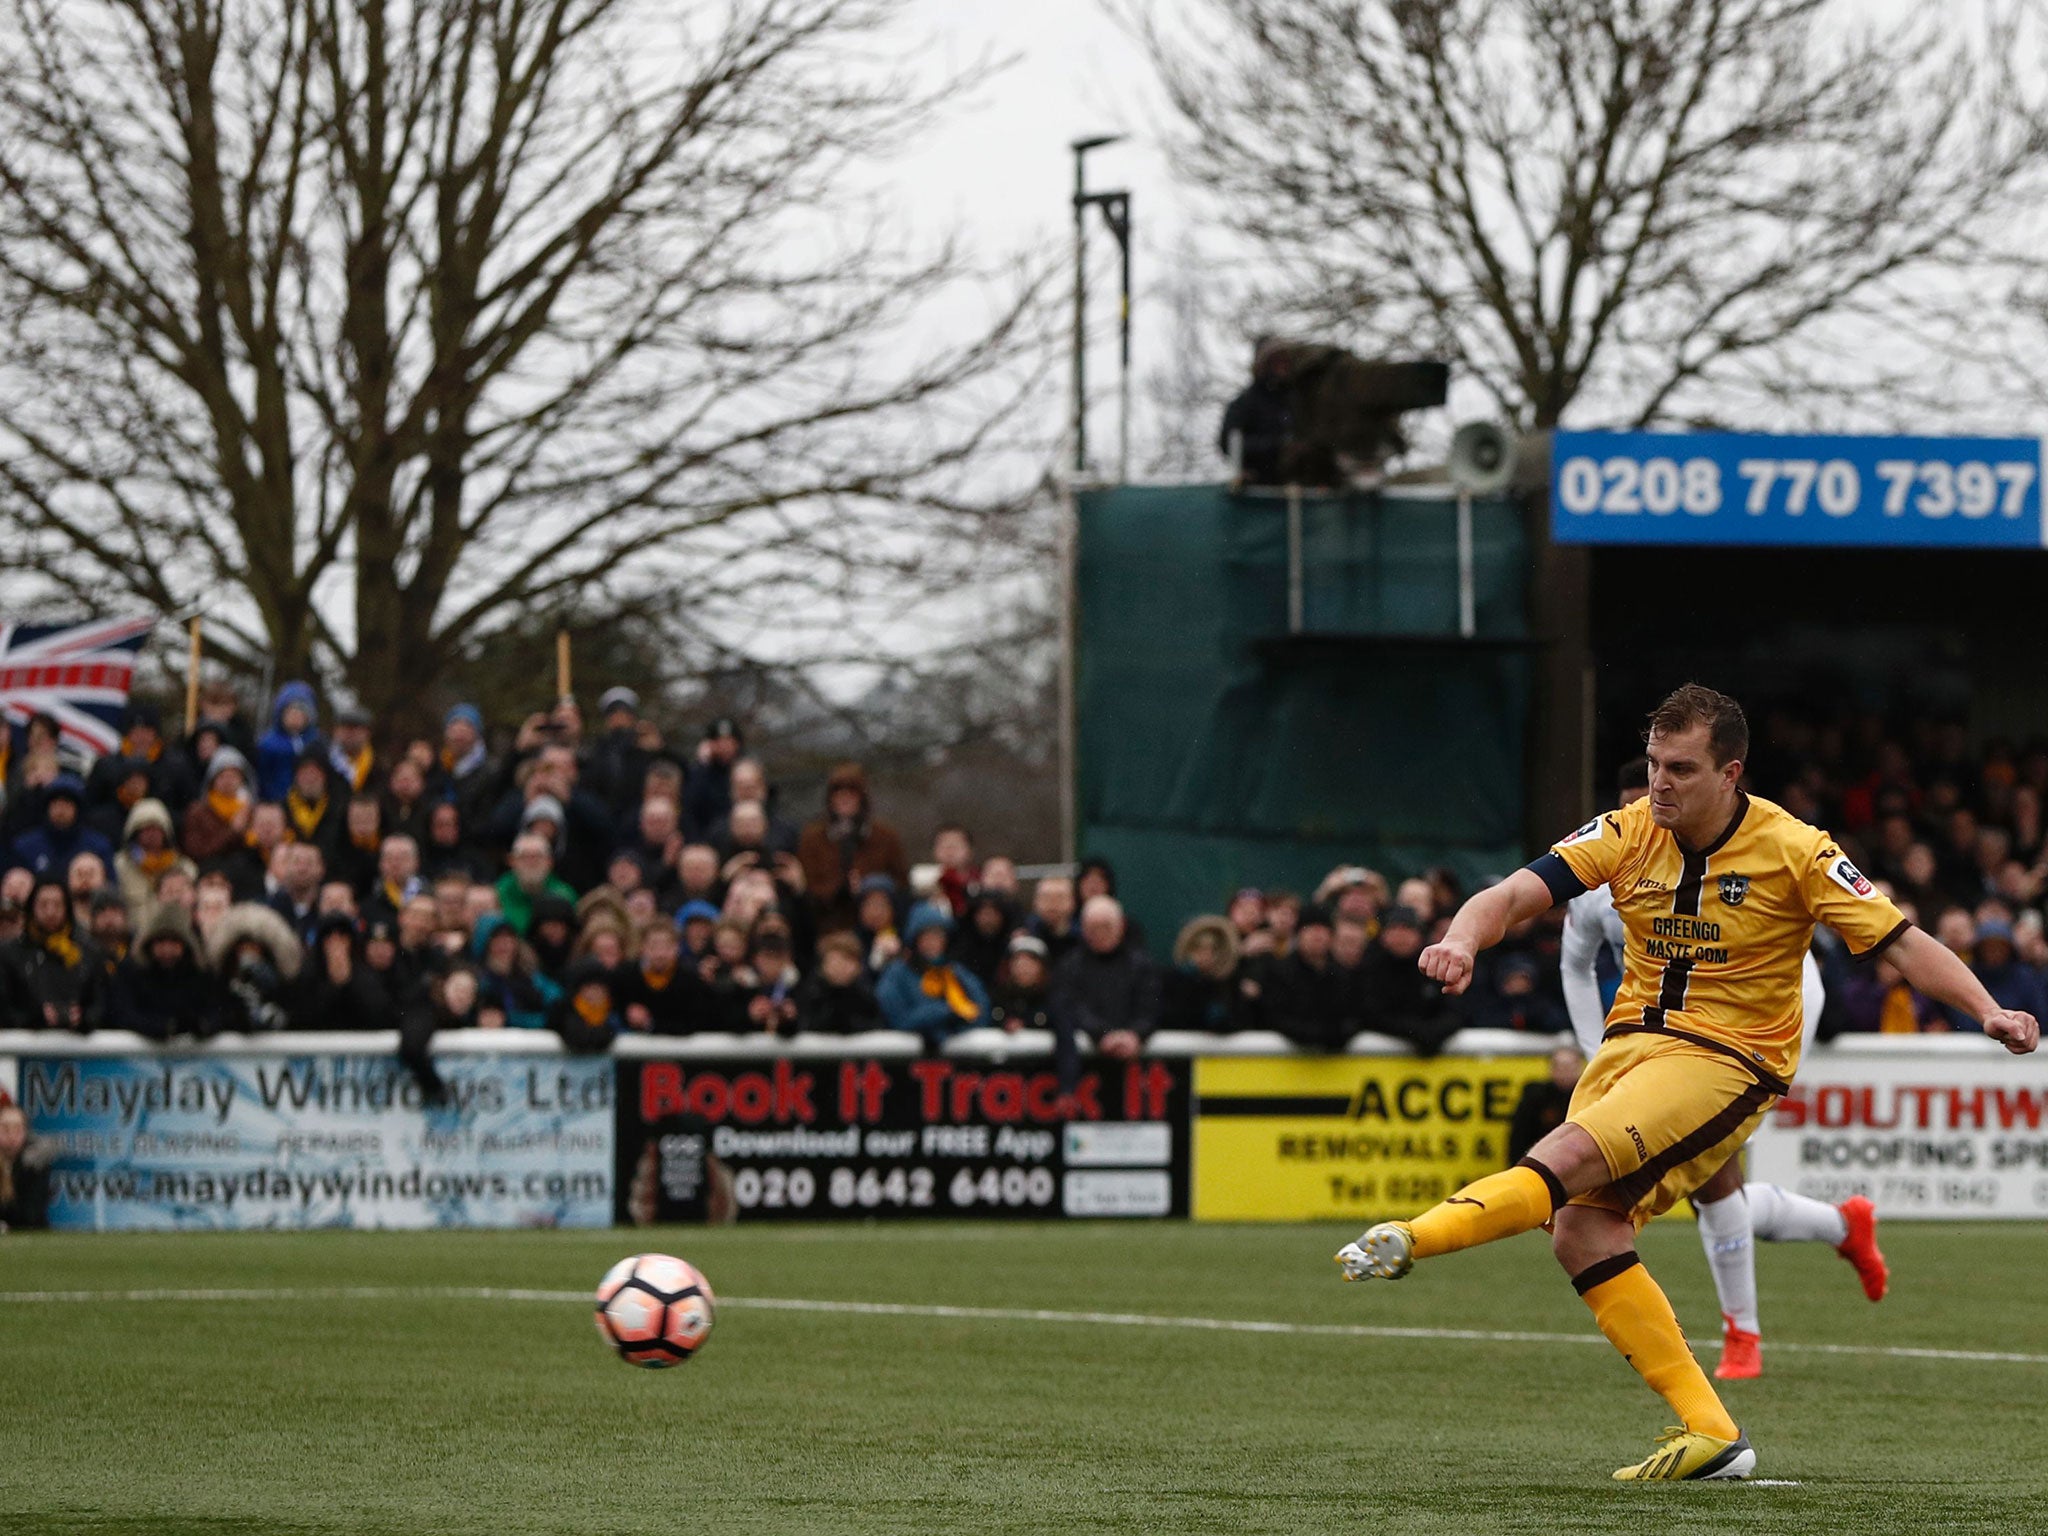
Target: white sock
[(1779, 1216), (1724, 1233)]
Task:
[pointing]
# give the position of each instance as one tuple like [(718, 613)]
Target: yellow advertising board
[(1353, 1137)]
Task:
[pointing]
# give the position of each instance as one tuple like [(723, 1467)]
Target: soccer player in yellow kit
[(1719, 892)]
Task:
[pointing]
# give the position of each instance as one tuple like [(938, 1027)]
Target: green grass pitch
[(309, 1414)]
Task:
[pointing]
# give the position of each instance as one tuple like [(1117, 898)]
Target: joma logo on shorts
[(1642, 1147)]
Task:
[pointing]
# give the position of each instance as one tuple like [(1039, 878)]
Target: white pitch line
[(941, 1312), (1318, 1330), (306, 1293)]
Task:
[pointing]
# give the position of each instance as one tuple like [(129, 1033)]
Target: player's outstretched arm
[(1931, 967), (1480, 923)]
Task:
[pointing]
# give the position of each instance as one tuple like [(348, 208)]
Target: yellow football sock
[(1499, 1205), (1632, 1311)]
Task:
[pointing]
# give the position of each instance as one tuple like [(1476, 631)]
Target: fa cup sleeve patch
[(1850, 878), (1591, 832)]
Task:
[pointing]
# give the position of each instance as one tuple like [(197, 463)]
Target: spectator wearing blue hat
[(462, 770), (696, 921), (1995, 962), (925, 993), (48, 848), (294, 733), (877, 924)]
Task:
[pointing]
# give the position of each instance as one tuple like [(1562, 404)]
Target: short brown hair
[(840, 944), (1727, 728)]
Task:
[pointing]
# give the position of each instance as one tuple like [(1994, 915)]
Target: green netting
[(1215, 750)]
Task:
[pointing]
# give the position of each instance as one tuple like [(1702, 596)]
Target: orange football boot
[(1860, 1246), (1742, 1357)]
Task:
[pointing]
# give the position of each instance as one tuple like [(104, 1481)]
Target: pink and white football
[(654, 1310)]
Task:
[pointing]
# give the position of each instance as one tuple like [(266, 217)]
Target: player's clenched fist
[(2017, 1032), (1450, 963)]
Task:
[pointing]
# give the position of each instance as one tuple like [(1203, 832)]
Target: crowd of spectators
[(593, 881), (1953, 833)]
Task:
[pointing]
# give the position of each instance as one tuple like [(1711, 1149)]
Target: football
[(654, 1310)]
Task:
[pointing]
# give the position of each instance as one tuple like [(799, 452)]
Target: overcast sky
[(1074, 72), (1005, 174)]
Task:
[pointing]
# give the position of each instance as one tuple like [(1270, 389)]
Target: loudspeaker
[(1482, 459)]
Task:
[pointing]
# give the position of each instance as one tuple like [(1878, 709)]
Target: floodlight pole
[(1116, 212), (1081, 202)]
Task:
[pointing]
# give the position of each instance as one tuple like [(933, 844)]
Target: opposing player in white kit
[(1731, 1213)]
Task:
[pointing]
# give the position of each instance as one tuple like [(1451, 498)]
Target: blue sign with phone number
[(1753, 488)]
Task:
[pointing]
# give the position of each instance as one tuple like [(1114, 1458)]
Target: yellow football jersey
[(1716, 937)]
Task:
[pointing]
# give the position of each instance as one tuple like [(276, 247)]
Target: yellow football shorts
[(1667, 1114)]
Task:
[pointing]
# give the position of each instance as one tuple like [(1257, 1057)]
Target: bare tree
[(1185, 395), (372, 325), (1664, 209)]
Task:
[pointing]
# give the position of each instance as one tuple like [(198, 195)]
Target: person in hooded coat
[(294, 733), (1205, 989), (170, 777), (163, 988), (255, 958), (149, 851), (926, 993), (62, 835), (844, 846), (878, 924), (552, 936), (114, 788), (508, 980), (336, 990)]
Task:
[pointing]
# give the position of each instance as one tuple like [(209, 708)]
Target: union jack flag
[(79, 674)]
